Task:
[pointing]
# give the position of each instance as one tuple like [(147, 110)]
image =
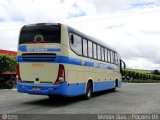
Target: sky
[(132, 27)]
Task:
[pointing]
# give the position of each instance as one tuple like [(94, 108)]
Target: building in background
[(8, 52)]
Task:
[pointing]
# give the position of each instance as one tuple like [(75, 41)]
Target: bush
[(138, 77), (8, 84), (7, 63)]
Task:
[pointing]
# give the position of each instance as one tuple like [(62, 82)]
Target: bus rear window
[(40, 34)]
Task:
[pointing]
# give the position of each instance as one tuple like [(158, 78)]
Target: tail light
[(18, 74), (61, 75)]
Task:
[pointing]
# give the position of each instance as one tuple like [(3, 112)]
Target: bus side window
[(106, 55), (116, 59), (109, 56), (76, 43), (90, 52), (99, 52), (112, 57), (85, 53), (94, 51), (102, 51)]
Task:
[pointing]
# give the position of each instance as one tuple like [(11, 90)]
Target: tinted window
[(109, 56), (112, 57), (84, 47), (76, 44), (106, 55), (102, 50), (116, 58), (99, 52), (40, 34), (90, 49), (94, 51)]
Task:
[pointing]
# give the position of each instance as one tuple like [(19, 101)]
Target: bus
[(56, 59)]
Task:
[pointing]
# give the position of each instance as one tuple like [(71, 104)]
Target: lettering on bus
[(37, 50), (37, 65)]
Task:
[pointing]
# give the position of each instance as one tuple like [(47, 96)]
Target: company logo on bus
[(38, 38)]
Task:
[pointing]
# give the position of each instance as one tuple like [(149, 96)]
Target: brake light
[(61, 75), (18, 74)]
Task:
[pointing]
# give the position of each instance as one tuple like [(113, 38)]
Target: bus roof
[(80, 33), (91, 38)]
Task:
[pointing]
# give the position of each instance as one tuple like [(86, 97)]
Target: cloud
[(132, 27), (135, 34), (30, 11), (112, 6), (9, 33), (16, 13)]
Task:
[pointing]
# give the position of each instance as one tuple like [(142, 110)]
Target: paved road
[(131, 98)]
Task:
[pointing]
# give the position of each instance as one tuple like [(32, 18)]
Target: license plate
[(36, 88)]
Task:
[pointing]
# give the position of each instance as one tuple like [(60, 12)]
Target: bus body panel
[(39, 73)]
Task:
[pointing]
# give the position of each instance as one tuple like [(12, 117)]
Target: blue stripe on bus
[(23, 48), (105, 85), (64, 89), (69, 60)]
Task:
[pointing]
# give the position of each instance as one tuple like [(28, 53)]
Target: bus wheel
[(51, 96), (116, 85), (89, 89)]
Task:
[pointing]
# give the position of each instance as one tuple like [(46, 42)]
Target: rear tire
[(116, 85), (55, 97), (89, 90), (51, 96)]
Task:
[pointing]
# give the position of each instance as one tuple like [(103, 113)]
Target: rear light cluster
[(18, 74), (61, 75)]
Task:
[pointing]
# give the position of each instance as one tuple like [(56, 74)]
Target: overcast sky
[(130, 26)]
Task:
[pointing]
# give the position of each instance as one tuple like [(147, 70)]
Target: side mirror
[(122, 65), (72, 39)]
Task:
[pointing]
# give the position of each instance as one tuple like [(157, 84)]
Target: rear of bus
[(40, 68)]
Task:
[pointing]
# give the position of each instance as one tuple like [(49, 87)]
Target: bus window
[(102, 49), (40, 34), (90, 49), (76, 46), (99, 52), (94, 51), (112, 57), (116, 58), (85, 47), (109, 56), (106, 55)]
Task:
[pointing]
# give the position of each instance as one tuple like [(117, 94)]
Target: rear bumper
[(45, 89), (64, 89)]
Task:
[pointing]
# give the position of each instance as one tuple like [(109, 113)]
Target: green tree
[(137, 75), (133, 74), (156, 72), (7, 63)]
